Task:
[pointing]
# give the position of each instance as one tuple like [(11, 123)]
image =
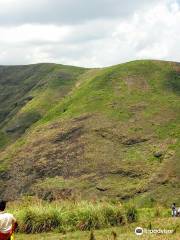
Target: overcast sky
[(88, 32)]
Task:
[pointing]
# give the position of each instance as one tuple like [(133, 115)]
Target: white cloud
[(63, 12), (33, 33), (153, 33)]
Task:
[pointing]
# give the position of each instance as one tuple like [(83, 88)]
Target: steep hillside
[(106, 133), (28, 92)]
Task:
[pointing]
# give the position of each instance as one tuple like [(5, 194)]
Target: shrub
[(113, 216), (131, 214), (39, 220)]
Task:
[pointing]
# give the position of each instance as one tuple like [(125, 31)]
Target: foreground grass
[(76, 220), (124, 233)]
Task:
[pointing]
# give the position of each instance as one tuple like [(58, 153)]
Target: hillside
[(111, 133)]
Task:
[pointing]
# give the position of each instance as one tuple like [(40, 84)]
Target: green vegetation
[(77, 220), (67, 217), (33, 89), (131, 214), (35, 216), (99, 235), (3, 139), (110, 134)]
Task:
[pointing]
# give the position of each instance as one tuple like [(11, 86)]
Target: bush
[(113, 216), (39, 220), (89, 219), (131, 214)]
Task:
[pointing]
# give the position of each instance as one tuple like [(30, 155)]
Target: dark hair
[(2, 205)]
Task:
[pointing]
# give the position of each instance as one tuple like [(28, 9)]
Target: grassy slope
[(99, 140), (28, 92)]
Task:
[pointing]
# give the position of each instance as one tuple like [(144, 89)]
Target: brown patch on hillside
[(85, 145), (136, 82), (57, 152)]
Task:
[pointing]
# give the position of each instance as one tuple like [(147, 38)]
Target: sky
[(86, 33)]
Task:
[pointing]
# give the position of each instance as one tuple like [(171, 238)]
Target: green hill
[(111, 133)]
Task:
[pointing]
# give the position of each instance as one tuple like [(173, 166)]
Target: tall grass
[(65, 217), (131, 214)]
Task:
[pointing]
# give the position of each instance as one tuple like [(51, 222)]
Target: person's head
[(2, 205)]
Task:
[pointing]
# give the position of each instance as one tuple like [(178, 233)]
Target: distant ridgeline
[(71, 132)]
